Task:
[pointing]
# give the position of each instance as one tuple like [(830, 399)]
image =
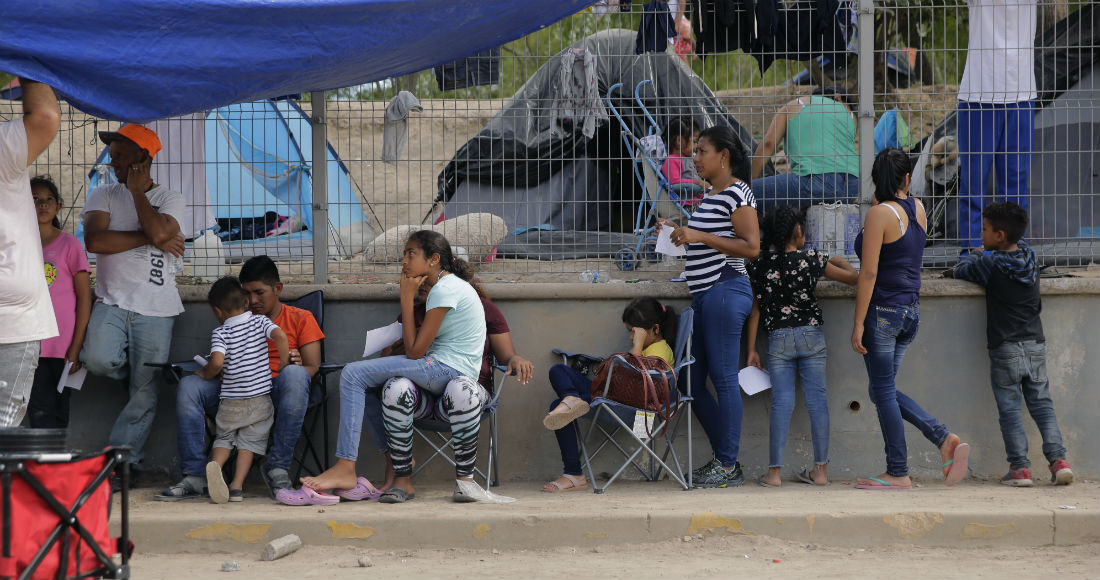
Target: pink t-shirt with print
[(63, 258)]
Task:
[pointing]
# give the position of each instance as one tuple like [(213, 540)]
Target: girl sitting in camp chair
[(651, 326)]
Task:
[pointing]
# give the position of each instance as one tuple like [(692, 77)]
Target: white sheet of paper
[(643, 424), (380, 338), (754, 380), (665, 245), (202, 362), (73, 381)]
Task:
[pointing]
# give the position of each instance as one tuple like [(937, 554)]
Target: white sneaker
[(468, 491)]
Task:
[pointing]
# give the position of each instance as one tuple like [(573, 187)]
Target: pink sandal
[(305, 496), (363, 489)]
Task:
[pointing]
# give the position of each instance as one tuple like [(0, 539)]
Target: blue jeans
[(887, 332), (804, 190), (797, 352), (1019, 371), (118, 344), (720, 314), (568, 382), (360, 383), (198, 398), (996, 136)]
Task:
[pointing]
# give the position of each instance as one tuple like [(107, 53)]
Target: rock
[(280, 547), (686, 538), (699, 536), (365, 562), (231, 566), (496, 552)]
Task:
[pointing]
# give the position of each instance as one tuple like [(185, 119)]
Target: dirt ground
[(712, 557)]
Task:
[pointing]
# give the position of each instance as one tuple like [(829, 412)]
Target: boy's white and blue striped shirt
[(705, 265), (243, 340)]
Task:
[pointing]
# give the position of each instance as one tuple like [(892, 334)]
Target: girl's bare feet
[(947, 450), (405, 484), (820, 474), (772, 478), (391, 476), (339, 476)]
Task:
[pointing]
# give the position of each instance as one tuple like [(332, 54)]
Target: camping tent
[(532, 172), (1065, 162), (254, 158)]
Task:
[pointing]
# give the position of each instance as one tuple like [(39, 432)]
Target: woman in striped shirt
[(722, 233)]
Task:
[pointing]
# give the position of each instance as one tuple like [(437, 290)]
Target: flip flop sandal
[(305, 496), (763, 483), (395, 495), (559, 488), (805, 477), (558, 419), (882, 485), (363, 489), (959, 460)]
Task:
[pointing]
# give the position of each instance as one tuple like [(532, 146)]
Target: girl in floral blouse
[(783, 281)]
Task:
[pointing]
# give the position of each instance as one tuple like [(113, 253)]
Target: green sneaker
[(721, 478)]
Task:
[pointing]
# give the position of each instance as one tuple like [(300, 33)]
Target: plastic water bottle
[(175, 264), (602, 276), (595, 276), (588, 276)]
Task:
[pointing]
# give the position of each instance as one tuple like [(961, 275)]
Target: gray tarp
[(521, 168)]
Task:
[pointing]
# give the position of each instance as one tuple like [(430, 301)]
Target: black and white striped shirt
[(705, 265), (243, 340)]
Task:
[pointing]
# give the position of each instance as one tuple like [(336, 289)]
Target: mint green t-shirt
[(821, 138), (461, 338)]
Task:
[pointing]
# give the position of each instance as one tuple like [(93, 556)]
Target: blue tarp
[(258, 159), (140, 60)]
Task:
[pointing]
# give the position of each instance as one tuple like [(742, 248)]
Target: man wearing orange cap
[(133, 227), (26, 313)]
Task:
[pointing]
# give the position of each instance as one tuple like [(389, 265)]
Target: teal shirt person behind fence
[(818, 134)]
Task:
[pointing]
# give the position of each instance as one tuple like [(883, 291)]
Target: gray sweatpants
[(18, 360)]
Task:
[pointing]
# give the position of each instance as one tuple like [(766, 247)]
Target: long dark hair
[(724, 139), (889, 171), (777, 227), (679, 129), (833, 92), (433, 242), (47, 182), (648, 312)]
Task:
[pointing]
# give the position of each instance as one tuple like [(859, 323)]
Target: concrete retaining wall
[(946, 370)]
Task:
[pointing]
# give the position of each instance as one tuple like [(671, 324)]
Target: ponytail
[(889, 171), (648, 312), (777, 227), (433, 242)]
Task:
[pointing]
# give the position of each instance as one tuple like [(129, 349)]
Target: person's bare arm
[(745, 245), (874, 234), (752, 325), (100, 240), (505, 352), (213, 367), (282, 345), (82, 285), (772, 137), (158, 227), (423, 337), (840, 270), (41, 117), (311, 356)]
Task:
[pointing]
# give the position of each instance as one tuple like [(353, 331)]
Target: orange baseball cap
[(141, 136)]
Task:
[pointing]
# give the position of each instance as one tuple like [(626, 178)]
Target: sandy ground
[(711, 557)]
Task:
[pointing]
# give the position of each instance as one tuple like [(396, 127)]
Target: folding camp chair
[(307, 458), (55, 510), (437, 434), (608, 417)]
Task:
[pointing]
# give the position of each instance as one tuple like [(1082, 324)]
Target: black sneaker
[(706, 469), (115, 479), (721, 478)]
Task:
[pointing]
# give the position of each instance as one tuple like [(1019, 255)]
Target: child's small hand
[(637, 336), (857, 340), (410, 286)]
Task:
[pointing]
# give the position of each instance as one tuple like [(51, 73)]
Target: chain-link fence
[(555, 154)]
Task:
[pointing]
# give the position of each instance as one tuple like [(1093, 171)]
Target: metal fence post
[(865, 23), (321, 232)]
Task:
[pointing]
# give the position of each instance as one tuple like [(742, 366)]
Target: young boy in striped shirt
[(238, 351)]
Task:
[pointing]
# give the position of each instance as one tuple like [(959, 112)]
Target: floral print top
[(783, 285)]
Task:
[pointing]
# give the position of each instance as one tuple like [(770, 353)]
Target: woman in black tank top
[(886, 321)]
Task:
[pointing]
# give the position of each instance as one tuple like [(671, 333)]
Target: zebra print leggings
[(460, 404)]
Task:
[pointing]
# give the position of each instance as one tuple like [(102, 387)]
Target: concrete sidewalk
[(971, 515)]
